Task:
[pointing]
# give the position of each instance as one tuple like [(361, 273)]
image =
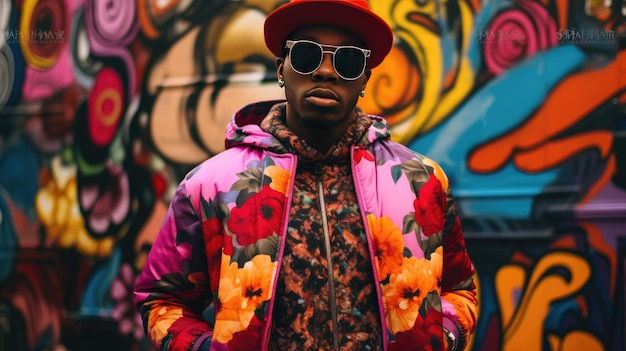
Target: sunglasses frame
[(366, 53)]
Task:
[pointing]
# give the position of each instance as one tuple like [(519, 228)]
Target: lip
[(323, 93), (322, 97)]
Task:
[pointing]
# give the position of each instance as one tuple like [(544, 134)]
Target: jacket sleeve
[(458, 290), (173, 290)]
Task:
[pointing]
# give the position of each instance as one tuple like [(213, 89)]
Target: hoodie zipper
[(329, 255)]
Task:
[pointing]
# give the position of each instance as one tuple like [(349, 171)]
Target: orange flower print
[(161, 319), (256, 278), (242, 290), (280, 178), (439, 173), (405, 292), (436, 266), (388, 244), (228, 313)]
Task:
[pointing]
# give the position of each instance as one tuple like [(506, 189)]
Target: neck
[(319, 143), (320, 136)]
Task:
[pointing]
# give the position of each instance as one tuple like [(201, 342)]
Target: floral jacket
[(210, 279)]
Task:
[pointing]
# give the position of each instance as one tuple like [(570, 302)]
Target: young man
[(312, 230)]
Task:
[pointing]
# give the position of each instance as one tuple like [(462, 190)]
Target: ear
[(366, 77), (280, 63)]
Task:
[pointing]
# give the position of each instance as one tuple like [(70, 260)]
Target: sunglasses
[(306, 57)]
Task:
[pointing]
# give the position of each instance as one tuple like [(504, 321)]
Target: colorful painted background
[(105, 104)]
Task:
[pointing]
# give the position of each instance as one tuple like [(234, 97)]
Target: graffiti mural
[(106, 104)]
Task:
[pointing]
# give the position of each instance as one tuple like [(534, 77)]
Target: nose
[(326, 70)]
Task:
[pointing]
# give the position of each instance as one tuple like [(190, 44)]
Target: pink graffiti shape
[(42, 84)]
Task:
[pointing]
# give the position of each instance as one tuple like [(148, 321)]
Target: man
[(312, 230)]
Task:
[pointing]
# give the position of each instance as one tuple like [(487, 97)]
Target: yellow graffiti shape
[(575, 340), (441, 89), (389, 93), (236, 38), (31, 57), (522, 322), (57, 208)]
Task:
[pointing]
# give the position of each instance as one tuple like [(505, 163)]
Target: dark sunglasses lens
[(349, 62), (305, 57)]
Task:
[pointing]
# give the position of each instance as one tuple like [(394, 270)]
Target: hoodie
[(272, 245)]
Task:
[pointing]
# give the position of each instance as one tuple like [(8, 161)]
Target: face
[(321, 100)]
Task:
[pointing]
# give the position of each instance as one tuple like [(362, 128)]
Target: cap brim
[(373, 30)]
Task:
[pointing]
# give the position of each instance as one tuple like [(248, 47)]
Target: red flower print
[(214, 242), (185, 331), (258, 217), (455, 257), (249, 339), (362, 153), (427, 334), (430, 206)]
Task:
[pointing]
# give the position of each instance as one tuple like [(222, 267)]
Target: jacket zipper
[(329, 255)]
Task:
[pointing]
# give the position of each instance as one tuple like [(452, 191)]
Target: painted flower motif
[(243, 291), (430, 207), (128, 319), (406, 291), (106, 202), (258, 217), (388, 244), (280, 178), (57, 209)]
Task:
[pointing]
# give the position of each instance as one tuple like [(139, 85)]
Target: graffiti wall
[(106, 104)]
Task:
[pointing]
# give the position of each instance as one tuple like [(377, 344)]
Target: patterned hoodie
[(242, 259)]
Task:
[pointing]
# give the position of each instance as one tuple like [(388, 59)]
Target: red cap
[(354, 16)]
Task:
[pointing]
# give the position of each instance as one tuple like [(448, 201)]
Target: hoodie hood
[(245, 129)]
